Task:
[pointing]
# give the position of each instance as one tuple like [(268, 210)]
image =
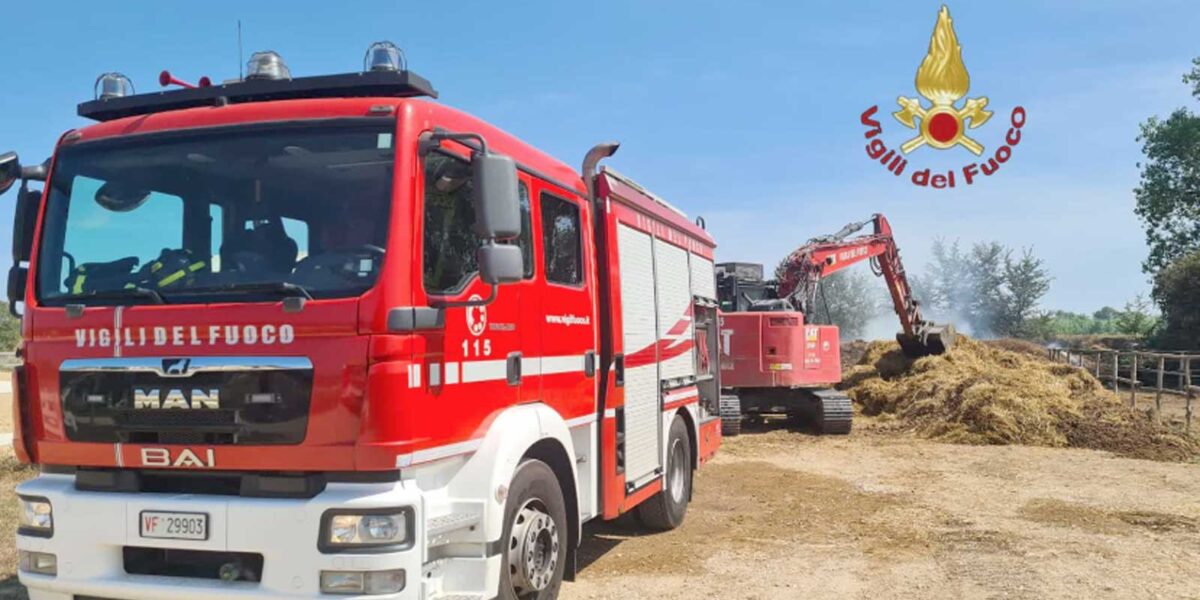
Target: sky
[(746, 113)]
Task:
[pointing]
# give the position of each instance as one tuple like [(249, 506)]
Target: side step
[(439, 526), (834, 412)]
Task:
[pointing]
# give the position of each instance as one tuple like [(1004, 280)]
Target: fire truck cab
[(301, 337)]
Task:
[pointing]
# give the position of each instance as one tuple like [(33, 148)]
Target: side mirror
[(24, 221), (10, 170), (17, 275), (497, 199), (500, 263)]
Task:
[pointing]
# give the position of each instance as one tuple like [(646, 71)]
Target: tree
[(847, 299), (1177, 292), (1025, 283), (986, 289), (1137, 318), (1168, 194)]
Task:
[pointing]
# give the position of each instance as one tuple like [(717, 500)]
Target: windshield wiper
[(129, 292), (279, 287)]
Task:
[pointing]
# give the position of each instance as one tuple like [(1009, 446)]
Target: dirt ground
[(880, 514), (782, 514)]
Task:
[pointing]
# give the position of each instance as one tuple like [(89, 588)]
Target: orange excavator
[(775, 360)]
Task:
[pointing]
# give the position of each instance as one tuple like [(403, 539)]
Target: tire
[(666, 509), (731, 415), (535, 535)]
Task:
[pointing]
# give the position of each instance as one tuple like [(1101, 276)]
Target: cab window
[(449, 239), (562, 247)]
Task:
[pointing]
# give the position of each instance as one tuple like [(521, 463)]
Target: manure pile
[(984, 394)]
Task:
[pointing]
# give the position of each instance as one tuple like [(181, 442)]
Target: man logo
[(152, 398), (161, 457)]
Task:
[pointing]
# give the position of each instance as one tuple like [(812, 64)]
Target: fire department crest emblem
[(476, 317), (942, 79), (942, 116)]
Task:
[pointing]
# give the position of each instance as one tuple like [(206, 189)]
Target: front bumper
[(92, 528)]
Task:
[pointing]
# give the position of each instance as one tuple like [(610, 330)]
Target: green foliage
[(1025, 283), (847, 299), (1137, 318), (987, 290), (10, 330), (1168, 195), (1177, 292)]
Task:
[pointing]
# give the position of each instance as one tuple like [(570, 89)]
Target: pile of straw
[(985, 394)]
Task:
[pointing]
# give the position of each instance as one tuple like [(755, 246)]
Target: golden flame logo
[(942, 79)]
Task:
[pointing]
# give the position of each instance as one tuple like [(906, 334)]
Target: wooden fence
[(1164, 373)]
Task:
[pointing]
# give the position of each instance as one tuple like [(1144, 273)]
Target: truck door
[(475, 364), (639, 324), (568, 325)]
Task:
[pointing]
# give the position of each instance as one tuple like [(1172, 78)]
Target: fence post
[(1116, 372), (1158, 390), (1097, 356), (1133, 381), (1187, 386)]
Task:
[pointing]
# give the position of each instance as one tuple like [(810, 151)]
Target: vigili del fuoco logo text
[(946, 123)]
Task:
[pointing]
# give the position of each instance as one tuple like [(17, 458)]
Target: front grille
[(215, 401), (193, 564)]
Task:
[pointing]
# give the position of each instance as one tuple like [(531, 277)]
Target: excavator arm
[(823, 256)]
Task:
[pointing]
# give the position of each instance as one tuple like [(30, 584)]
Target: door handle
[(589, 363), (513, 364)]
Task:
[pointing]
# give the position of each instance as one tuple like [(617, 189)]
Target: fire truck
[(300, 337), (775, 357)]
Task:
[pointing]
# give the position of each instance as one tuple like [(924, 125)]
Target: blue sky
[(744, 112)]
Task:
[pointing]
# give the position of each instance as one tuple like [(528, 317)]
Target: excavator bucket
[(935, 339)]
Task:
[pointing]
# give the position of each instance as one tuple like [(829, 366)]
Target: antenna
[(241, 63)]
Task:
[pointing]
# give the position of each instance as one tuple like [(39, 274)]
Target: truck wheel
[(731, 414), (666, 509), (535, 535)]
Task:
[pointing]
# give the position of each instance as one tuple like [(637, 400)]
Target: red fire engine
[(287, 337)]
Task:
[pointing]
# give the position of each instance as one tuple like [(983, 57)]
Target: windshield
[(245, 211)]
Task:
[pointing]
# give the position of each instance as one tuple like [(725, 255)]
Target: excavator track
[(731, 415), (834, 412)]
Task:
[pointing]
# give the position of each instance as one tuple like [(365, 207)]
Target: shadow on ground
[(11, 589)]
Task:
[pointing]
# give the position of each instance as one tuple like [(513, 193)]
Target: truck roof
[(317, 98)]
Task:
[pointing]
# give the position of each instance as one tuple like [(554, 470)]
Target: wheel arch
[(693, 430), (551, 451), (526, 431)]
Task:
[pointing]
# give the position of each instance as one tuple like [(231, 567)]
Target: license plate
[(174, 525)]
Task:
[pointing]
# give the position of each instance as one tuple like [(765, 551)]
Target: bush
[(1177, 292)]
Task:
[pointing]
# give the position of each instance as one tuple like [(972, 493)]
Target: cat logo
[(152, 398), (161, 457)]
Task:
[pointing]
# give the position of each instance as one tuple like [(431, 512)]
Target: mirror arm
[(36, 172), (430, 140), (442, 302)]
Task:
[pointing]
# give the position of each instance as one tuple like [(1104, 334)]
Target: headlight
[(35, 517), (347, 530)]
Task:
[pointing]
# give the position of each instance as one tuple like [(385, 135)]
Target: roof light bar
[(384, 56), (385, 74), (113, 85), (267, 65)]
